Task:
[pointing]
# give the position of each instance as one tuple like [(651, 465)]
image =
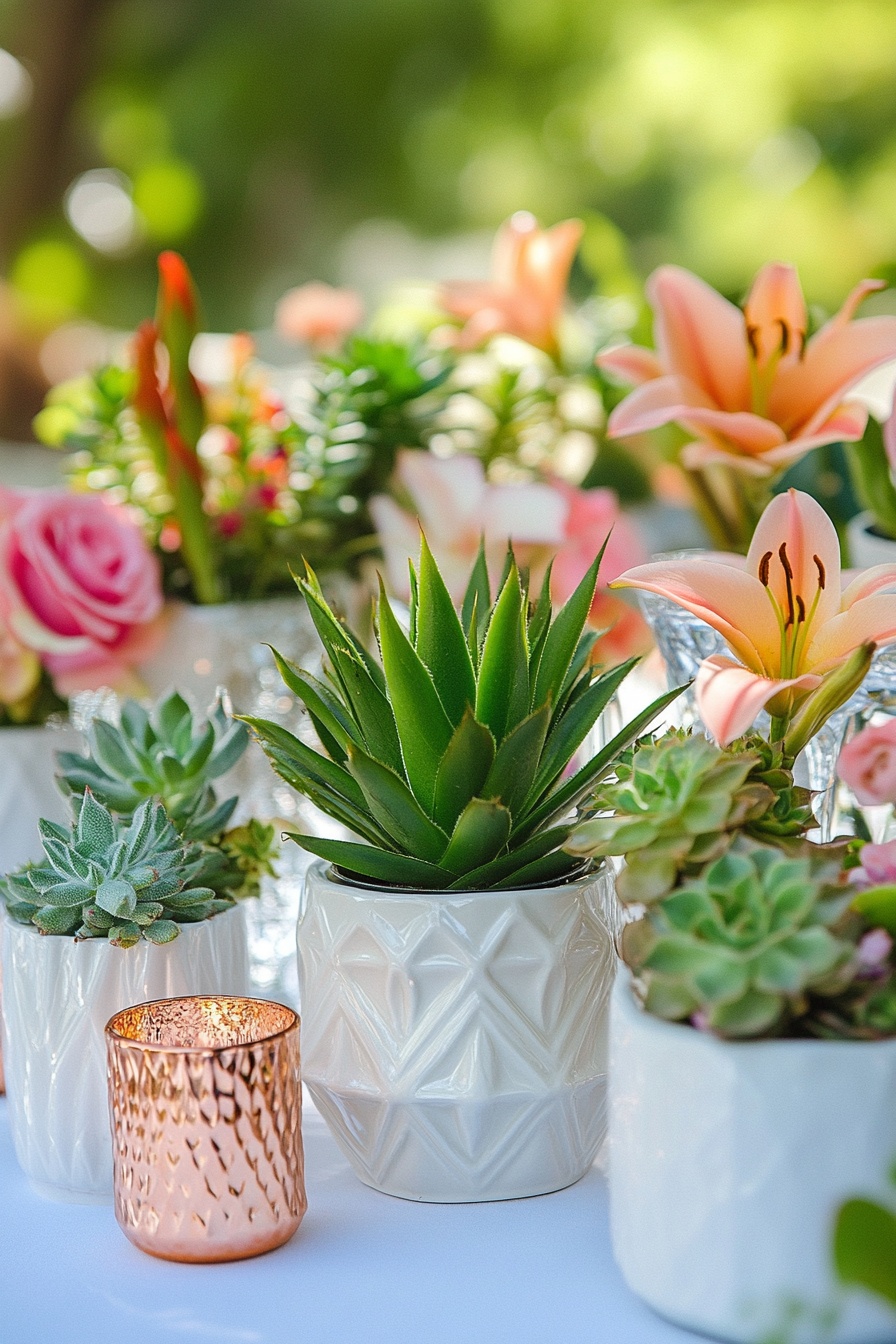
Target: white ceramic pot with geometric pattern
[(456, 1042), (58, 995), (727, 1163)]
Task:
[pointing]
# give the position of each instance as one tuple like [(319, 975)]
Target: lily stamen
[(821, 574)]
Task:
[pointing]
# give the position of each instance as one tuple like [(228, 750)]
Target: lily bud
[(834, 691)]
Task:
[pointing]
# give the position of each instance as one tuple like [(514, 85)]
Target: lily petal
[(629, 363), (813, 553), (836, 358), (729, 697), (775, 313), (705, 452), (701, 336), (870, 620), (655, 403), (864, 582), (730, 600)]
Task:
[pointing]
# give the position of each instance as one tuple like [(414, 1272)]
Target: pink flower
[(781, 611), (875, 947), (79, 586), (318, 315), (456, 506), (868, 764), (525, 296), (747, 385)]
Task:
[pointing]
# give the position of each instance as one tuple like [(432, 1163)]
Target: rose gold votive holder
[(206, 1105)]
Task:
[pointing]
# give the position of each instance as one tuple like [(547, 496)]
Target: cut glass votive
[(206, 1107)]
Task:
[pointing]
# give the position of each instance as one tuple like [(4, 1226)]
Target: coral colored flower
[(318, 315), (525, 296), (747, 385), (79, 586), (868, 764), (781, 611), (457, 507)]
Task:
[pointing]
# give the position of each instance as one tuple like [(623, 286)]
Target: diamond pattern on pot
[(456, 1043)]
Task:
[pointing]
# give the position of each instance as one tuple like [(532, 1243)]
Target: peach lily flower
[(753, 392), (782, 612), (525, 295)]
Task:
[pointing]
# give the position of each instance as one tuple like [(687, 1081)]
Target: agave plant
[(451, 759), (743, 945), (678, 802), (107, 878), (168, 753)]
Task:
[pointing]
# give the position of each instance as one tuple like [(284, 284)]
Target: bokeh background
[(359, 141)]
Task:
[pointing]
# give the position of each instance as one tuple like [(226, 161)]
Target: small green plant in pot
[(128, 903), (453, 953), (756, 1027)]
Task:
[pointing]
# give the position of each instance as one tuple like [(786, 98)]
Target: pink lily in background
[(456, 506), (796, 633), (319, 315), (527, 289), (751, 389)]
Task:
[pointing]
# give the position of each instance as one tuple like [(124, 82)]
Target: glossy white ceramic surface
[(58, 995), (456, 1043), (865, 548), (727, 1163)]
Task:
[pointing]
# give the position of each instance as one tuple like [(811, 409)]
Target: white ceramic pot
[(456, 1042), (727, 1163), (28, 788), (58, 995), (866, 548)]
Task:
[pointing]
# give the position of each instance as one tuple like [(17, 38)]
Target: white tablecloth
[(363, 1269)]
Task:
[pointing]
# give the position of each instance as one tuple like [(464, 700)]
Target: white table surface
[(362, 1268)]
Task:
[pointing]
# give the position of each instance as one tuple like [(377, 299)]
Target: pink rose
[(318, 315), (878, 865), (868, 764), (80, 586)]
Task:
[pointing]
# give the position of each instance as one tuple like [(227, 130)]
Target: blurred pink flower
[(525, 296), (867, 764), (456, 507), (318, 315), (79, 586), (781, 611), (749, 387)]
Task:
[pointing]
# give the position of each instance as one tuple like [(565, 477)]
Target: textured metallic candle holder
[(206, 1106)]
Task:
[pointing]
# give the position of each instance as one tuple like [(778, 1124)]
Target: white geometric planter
[(456, 1043), (866, 548), (727, 1163), (58, 995)]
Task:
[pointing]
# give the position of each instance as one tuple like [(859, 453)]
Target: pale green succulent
[(108, 878), (743, 945), (451, 760), (675, 804), (168, 753)]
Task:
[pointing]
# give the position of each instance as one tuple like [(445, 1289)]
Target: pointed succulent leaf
[(516, 761), (502, 690), (481, 833), (563, 638), (463, 770), (57, 919), (398, 870), (117, 897), (477, 599), (441, 644), (396, 810)]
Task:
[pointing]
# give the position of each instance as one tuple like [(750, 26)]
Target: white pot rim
[(328, 872), (626, 1004)]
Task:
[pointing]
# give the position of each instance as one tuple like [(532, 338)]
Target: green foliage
[(746, 941), (166, 753), (869, 468), (865, 1247), (450, 760), (678, 803), (107, 878)]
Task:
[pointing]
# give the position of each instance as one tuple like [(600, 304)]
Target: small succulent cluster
[(167, 753), (173, 755), (110, 878), (147, 849), (743, 945), (451, 760), (677, 803)]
